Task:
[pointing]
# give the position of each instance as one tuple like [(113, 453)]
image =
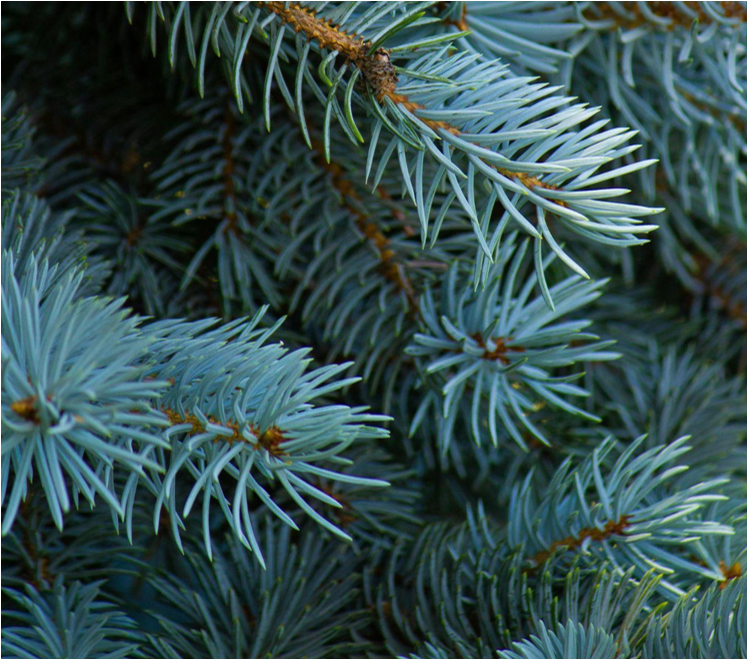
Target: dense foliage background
[(360, 329)]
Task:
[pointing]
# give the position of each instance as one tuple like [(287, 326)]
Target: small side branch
[(611, 528), (270, 439)]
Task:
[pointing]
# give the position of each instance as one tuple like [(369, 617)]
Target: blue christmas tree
[(374, 329)]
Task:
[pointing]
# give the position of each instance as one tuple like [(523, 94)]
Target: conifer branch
[(633, 487), (438, 121)]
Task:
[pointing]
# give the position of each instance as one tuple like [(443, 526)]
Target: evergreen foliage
[(365, 329)]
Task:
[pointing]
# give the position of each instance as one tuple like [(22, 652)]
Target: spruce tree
[(374, 329)]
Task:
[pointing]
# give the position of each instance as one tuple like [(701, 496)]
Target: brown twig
[(26, 409), (461, 22), (668, 10), (612, 527), (501, 348), (270, 439), (730, 573), (391, 268)]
